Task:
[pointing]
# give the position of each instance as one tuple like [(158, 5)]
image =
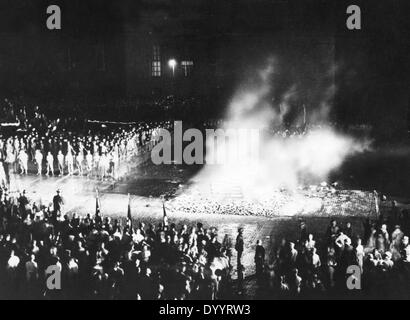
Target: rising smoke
[(304, 148)]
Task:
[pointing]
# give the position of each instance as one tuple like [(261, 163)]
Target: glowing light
[(172, 63)]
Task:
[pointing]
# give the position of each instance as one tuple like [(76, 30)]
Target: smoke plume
[(304, 147)]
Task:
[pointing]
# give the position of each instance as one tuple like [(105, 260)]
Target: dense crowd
[(101, 258), (97, 257), (312, 267)]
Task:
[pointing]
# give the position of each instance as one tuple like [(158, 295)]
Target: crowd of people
[(48, 146), (311, 267), (98, 257)]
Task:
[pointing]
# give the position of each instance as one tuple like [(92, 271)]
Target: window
[(156, 62), (156, 69), (187, 66), (156, 53)]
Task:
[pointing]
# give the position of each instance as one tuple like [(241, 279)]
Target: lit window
[(187, 66), (156, 68), (156, 62)]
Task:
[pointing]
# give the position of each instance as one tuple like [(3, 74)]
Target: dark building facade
[(118, 49), (108, 50)]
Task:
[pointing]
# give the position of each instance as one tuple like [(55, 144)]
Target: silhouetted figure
[(58, 202), (239, 247), (259, 258)]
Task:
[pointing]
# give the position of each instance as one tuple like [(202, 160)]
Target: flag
[(97, 204), (165, 218), (129, 208)]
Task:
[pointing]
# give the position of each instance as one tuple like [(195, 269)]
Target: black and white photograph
[(204, 150)]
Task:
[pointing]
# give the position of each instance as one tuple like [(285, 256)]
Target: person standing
[(9, 161), (58, 203), (239, 247), (359, 254), (227, 247), (116, 162), (15, 147), (23, 158), (39, 161), (103, 166), (31, 271), (79, 162), (60, 160), (96, 159), (69, 148), (89, 163), (259, 258), (110, 161), (50, 163), (3, 178), (70, 163), (32, 148), (23, 205)]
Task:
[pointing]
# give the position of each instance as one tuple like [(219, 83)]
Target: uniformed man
[(23, 159), (50, 164), (60, 160), (39, 161)]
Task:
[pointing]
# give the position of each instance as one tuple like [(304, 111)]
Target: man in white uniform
[(50, 164), (60, 159), (23, 158), (70, 163), (79, 162), (39, 161), (89, 162)]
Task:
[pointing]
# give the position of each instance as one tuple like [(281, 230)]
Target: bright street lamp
[(172, 63)]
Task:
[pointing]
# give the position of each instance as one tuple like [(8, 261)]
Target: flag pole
[(164, 217), (129, 217), (97, 203)]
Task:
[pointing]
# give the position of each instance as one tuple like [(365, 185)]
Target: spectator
[(239, 246), (259, 258)]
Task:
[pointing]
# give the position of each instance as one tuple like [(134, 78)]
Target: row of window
[(156, 67), (187, 65)]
